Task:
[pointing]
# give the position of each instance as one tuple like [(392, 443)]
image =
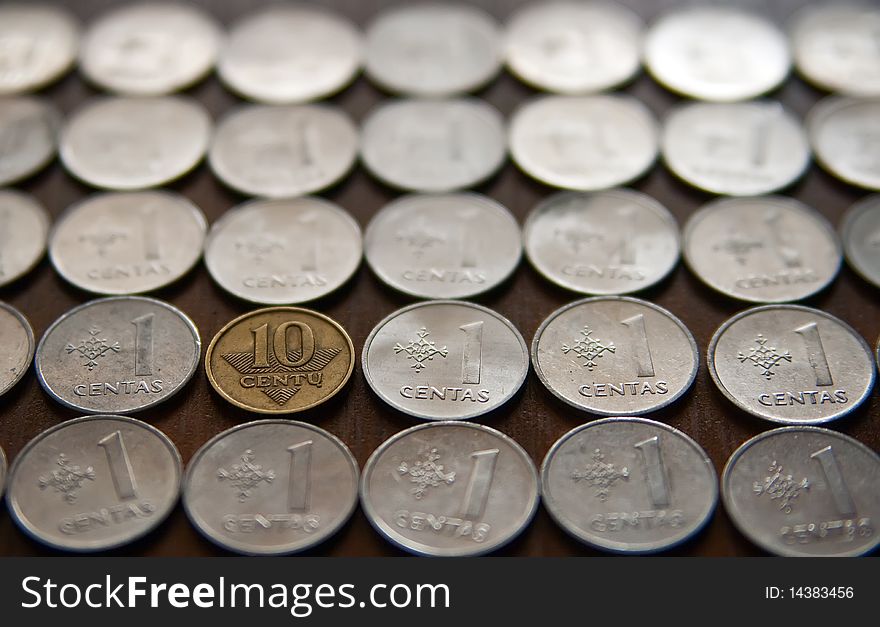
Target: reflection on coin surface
[(791, 364), (443, 246), (150, 48), (24, 228), (283, 151), (271, 487), (280, 360), (17, 340), (740, 149), (806, 492), (615, 355), (860, 231), (481, 490), (716, 52), (574, 47), (629, 485), (278, 252), (94, 483), (445, 360), (583, 143), (38, 43), (433, 145), (120, 355), (28, 136), (127, 242), (433, 49), (290, 53), (133, 143), (763, 250), (843, 133), (835, 47), (613, 242)]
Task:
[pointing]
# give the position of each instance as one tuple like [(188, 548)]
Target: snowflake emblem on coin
[(259, 247), (102, 241), (426, 473), (245, 476), (93, 348), (420, 350), (738, 247), (67, 478), (781, 487), (418, 240), (600, 475), (588, 348), (764, 357)]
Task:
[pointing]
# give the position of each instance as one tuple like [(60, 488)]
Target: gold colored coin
[(280, 360)]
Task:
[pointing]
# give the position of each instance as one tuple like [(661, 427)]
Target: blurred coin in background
[(845, 134), (24, 229), (860, 231), (17, 340), (28, 137)]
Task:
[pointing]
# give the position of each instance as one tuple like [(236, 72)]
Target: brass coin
[(280, 360)]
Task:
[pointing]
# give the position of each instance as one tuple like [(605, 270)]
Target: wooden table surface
[(534, 418)]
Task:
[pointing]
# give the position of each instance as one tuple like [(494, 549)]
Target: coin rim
[(187, 321), (29, 331), (721, 205), (397, 204), (198, 522), (43, 216), (388, 533), (3, 473), (819, 113), (99, 182), (637, 301), (482, 108), (232, 213), (265, 310), (732, 512), (54, 124), (621, 547), (512, 392), (710, 362), (181, 201), (639, 198), (853, 213), (34, 532)]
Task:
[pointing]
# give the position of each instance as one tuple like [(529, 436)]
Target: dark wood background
[(534, 418)]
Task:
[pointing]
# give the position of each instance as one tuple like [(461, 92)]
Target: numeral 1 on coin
[(477, 493), (815, 353), (120, 465), (834, 478), (472, 355), (143, 345), (654, 471), (644, 361), (299, 478)]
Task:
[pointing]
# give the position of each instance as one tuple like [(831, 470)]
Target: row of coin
[(274, 252), (275, 487), (447, 360), (297, 53), (572, 142)]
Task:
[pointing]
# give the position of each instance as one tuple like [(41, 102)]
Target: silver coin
[(845, 134), (450, 489), (28, 137), (24, 228), (629, 485), (133, 143), (150, 48), (740, 149), (271, 487), (445, 360), (2, 473), (791, 364), (291, 53), (279, 252), (805, 492), (433, 49), (94, 483), (17, 340), (763, 250), (835, 46), (283, 151), (121, 354), (860, 232), (433, 145), (612, 242), (584, 143), (38, 43), (615, 355), (574, 47), (443, 245), (717, 52), (127, 242)]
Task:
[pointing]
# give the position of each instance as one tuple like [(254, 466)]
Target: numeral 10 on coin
[(279, 345)]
